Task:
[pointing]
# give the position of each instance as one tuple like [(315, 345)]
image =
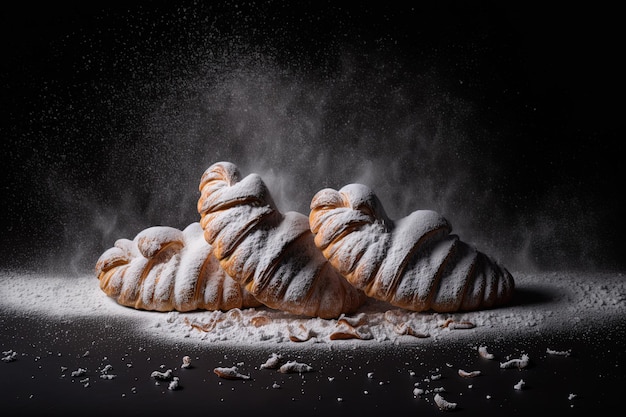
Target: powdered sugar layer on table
[(543, 302)]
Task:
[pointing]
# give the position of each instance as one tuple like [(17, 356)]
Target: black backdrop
[(505, 118)]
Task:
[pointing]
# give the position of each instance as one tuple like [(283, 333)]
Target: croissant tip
[(223, 170), (323, 197)]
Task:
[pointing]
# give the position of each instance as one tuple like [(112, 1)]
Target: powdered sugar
[(553, 301)]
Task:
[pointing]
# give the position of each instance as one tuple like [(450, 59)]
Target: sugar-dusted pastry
[(414, 263), (165, 269), (271, 254)]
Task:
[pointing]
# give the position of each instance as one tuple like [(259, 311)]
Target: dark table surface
[(366, 380)]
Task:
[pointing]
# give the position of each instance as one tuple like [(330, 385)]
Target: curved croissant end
[(413, 263), (271, 254), (167, 269)]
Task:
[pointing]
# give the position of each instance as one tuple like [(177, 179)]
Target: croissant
[(167, 269), (413, 263), (271, 254)]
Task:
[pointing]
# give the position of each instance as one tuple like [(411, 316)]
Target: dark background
[(504, 118)]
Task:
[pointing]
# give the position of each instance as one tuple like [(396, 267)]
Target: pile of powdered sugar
[(545, 301)]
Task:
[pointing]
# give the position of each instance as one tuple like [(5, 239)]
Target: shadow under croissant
[(532, 295)]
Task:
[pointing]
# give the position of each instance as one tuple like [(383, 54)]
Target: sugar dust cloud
[(138, 126)]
